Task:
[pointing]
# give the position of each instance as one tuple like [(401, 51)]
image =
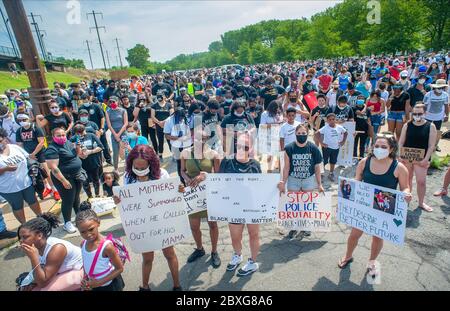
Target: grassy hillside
[(8, 82)]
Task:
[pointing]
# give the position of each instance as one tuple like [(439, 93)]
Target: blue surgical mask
[(360, 102), (84, 119)]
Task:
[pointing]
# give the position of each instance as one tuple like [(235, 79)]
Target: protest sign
[(377, 211), (269, 139), (305, 211), (153, 214), (311, 100), (242, 198), (412, 154), (118, 75), (345, 157), (195, 199), (102, 206)]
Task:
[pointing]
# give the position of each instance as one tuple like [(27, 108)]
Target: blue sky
[(167, 28)]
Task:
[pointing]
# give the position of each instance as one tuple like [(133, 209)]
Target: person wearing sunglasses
[(380, 168), (421, 134)]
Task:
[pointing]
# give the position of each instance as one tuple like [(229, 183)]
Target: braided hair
[(86, 213), (41, 224)]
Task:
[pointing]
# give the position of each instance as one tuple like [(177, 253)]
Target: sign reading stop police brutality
[(345, 156), (195, 199), (153, 214), (306, 211), (377, 211), (242, 198)]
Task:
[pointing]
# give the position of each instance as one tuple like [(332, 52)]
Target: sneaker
[(292, 234), (143, 289), (303, 234), (7, 235), (56, 196), (235, 262), (249, 268), (46, 192), (215, 260), (69, 227), (196, 255), (177, 289)]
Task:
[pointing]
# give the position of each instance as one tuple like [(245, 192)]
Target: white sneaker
[(235, 262), (69, 227), (249, 268)]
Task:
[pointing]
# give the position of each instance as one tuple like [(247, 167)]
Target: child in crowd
[(110, 180), (331, 137), (102, 264)]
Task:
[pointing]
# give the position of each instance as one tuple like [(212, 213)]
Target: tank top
[(417, 136), (102, 268), (73, 259), (387, 180), (376, 106), (116, 117), (195, 166)]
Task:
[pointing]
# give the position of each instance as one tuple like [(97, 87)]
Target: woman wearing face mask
[(301, 171), (133, 139), (56, 264), (376, 106), (67, 174), (117, 121), (379, 168), (398, 110), (160, 111), (56, 119), (362, 127), (15, 184), (294, 99), (421, 134), (143, 165), (142, 113)]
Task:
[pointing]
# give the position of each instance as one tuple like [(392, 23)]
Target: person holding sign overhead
[(379, 168), (143, 165), (419, 134)]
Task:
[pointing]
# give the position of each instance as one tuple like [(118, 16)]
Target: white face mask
[(417, 118), (238, 114), (421, 81), (25, 124), (380, 153), (438, 91), (141, 173), (54, 110)]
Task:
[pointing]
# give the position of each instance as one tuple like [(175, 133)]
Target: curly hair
[(147, 153)]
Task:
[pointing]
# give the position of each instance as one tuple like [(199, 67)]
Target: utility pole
[(118, 50), (94, 14), (38, 34), (107, 57), (9, 34), (90, 56), (39, 92)]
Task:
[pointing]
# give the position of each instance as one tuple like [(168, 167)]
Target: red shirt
[(376, 106), (325, 81), (395, 73)]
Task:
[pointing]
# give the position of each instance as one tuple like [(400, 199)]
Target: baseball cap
[(83, 111), (422, 68), (247, 79)]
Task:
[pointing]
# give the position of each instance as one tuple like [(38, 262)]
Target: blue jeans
[(2, 222), (376, 122), (115, 149)]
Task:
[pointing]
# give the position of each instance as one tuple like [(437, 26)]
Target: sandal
[(441, 193), (426, 208), (372, 270), (344, 263)]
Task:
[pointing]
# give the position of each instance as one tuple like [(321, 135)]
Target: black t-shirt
[(108, 189), (90, 127), (415, 95), (343, 114), (234, 166), (270, 94), (308, 87), (69, 162), (322, 114), (90, 142), (257, 110), (210, 121), (62, 120), (226, 107), (241, 124), (361, 121), (129, 110), (95, 114), (303, 160), (162, 113), (29, 138), (166, 88), (399, 103)]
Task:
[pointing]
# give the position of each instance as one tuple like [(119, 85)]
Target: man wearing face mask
[(362, 120), (8, 123), (163, 88), (255, 110), (224, 109), (437, 104), (236, 122), (112, 90), (97, 90), (90, 126), (248, 88), (270, 92)]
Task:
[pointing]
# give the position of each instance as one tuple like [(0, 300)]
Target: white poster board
[(102, 206), (195, 199), (305, 211), (153, 214), (345, 157), (242, 198), (377, 211), (269, 139)]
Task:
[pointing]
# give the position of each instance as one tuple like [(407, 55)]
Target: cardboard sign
[(269, 139), (195, 199), (345, 156), (153, 214), (311, 100), (412, 154), (242, 198), (102, 206), (305, 211), (117, 75), (377, 211)]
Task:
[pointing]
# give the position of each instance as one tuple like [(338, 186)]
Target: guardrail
[(7, 51)]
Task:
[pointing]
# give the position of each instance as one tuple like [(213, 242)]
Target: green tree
[(261, 54), (215, 46), (438, 23), (244, 54), (138, 57), (283, 49)]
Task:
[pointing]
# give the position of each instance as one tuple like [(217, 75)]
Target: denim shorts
[(375, 119), (16, 199), (397, 116), (307, 184)]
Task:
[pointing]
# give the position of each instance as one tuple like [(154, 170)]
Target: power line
[(107, 56), (118, 50), (38, 34), (9, 33), (90, 56), (94, 14)]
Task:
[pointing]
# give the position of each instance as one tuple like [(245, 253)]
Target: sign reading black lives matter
[(242, 198), (153, 214)]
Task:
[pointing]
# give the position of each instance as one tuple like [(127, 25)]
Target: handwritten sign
[(305, 211), (242, 198), (102, 206), (195, 199), (377, 211), (412, 154), (153, 214), (117, 75), (345, 156), (269, 139)]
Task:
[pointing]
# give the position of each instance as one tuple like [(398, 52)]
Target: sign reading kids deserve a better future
[(153, 214), (242, 198), (375, 210)]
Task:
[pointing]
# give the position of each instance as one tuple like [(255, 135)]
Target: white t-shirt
[(287, 131), (385, 95), (435, 105), (18, 180), (266, 119), (10, 126), (332, 136), (73, 259), (331, 95), (298, 117), (174, 130)]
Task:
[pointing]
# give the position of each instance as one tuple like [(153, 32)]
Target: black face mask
[(301, 139)]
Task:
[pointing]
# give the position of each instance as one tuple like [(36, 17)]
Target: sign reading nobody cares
[(153, 214), (412, 154)]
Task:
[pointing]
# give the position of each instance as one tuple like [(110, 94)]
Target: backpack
[(37, 175)]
